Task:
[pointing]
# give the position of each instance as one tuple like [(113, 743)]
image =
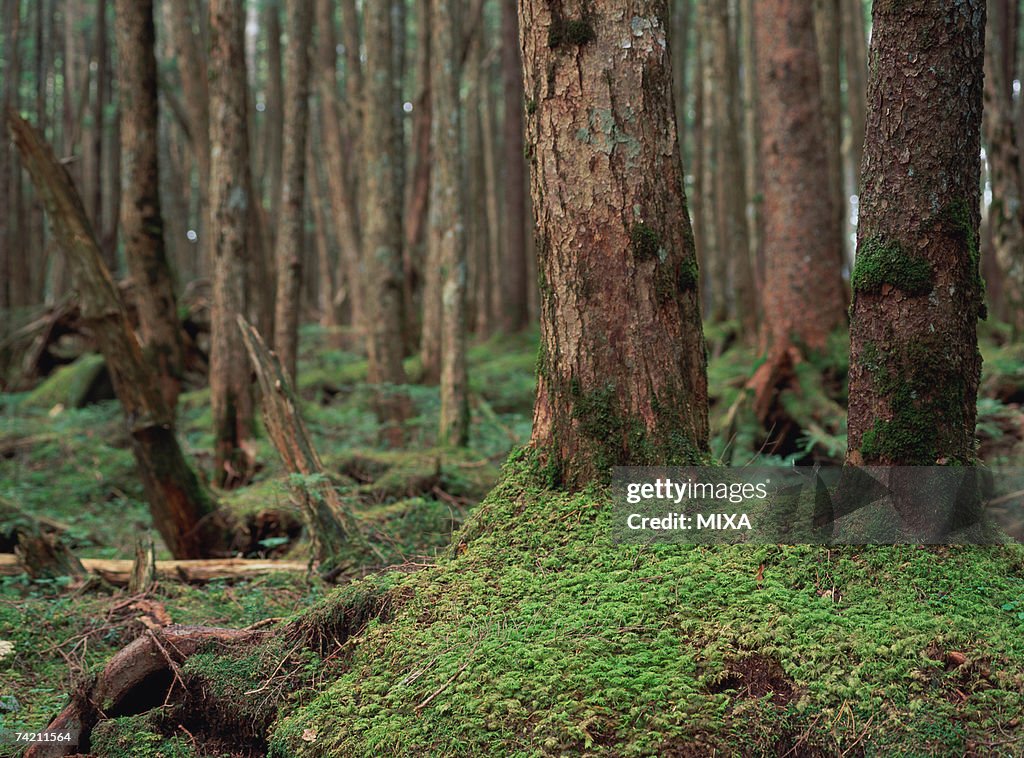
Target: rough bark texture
[(514, 272), (1002, 143), (447, 228), (803, 294), (141, 216), (230, 198), (622, 368), (291, 207), (179, 504), (914, 361)]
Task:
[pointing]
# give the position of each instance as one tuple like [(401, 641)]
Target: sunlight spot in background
[(407, 107), (261, 106), (1016, 86), (191, 234)]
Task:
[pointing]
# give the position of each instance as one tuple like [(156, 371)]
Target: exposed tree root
[(143, 675)]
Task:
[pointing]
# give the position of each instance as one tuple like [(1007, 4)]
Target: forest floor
[(533, 634)]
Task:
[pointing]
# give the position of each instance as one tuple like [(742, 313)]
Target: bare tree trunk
[(141, 210), (730, 190), (622, 376), (342, 198), (179, 504), (682, 19), (478, 301), (291, 206), (189, 53), (1002, 141), (855, 48), (383, 225), (447, 240), (230, 208), (918, 294), (803, 292), (9, 262), (713, 256), (275, 113), (418, 189), (495, 225), (754, 177), (515, 269), (827, 25)]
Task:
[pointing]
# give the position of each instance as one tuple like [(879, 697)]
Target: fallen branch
[(118, 572)]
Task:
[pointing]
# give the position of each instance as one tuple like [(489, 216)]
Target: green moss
[(880, 262), (570, 32), (689, 275), (531, 106), (960, 220), (137, 737), (925, 398), (540, 636), (645, 241), (69, 385)]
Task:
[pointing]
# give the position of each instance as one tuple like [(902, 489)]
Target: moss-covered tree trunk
[(178, 503), (622, 370), (230, 199), (291, 217), (141, 217), (914, 361)]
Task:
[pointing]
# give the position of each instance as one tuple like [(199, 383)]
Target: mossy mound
[(74, 385), (539, 636)]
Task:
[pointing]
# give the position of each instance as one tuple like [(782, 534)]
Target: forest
[(334, 332)]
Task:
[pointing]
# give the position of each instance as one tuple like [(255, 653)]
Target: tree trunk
[(447, 235), (178, 503), (141, 213), (1006, 214), (754, 176), (276, 107), (382, 222), (179, 20), (827, 24), (515, 268), (730, 190), (682, 19), (914, 362), (855, 59), (291, 206), (622, 368), (342, 199), (230, 201), (803, 293), (712, 255), (478, 301), (9, 296)]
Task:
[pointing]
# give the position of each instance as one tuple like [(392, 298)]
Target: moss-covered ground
[(532, 634)]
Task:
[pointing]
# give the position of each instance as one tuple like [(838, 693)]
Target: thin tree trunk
[(291, 206), (180, 19), (515, 269), (142, 218), (343, 202), (478, 302), (277, 104), (827, 24), (495, 225), (418, 189), (9, 262), (855, 48), (754, 176), (179, 504), (713, 256), (622, 377), (383, 225), (447, 240), (914, 361), (230, 208), (682, 15), (1006, 214), (730, 190)]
